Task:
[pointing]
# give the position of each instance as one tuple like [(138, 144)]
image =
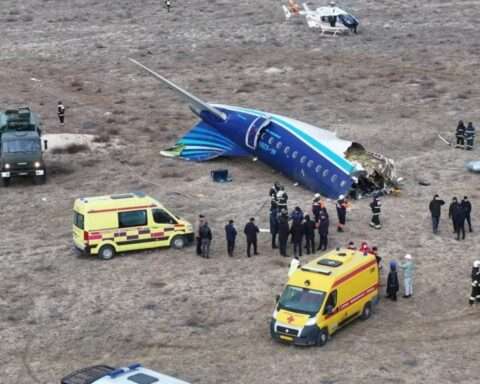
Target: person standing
[(341, 206), (435, 207), (376, 207), (283, 232), (475, 295), (231, 235), (392, 282), (467, 208), (294, 265), (200, 222), (273, 195), (408, 269), (168, 4), (323, 224), (469, 136), (309, 230), (206, 239), (459, 216), (453, 208), (274, 226), (460, 135), (61, 112), (251, 231), (316, 206), (297, 237)]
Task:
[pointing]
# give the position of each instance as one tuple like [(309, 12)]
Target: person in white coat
[(407, 267), (294, 265)]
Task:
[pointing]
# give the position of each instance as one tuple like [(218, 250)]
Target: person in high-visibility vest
[(469, 136), (376, 207), (475, 295)]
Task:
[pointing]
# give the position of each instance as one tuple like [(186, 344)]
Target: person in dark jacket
[(460, 135), (469, 136), (458, 216), (435, 210), (341, 206), (205, 234), (323, 224), (376, 207), (231, 235), (200, 222), (251, 231), (297, 237), (475, 294), (283, 233), (453, 207), (392, 282), (274, 226), (316, 206), (297, 215), (467, 207), (309, 230), (61, 112)]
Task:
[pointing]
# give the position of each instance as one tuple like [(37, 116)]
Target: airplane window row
[(303, 159)]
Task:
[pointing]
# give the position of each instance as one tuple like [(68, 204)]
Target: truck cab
[(21, 146)]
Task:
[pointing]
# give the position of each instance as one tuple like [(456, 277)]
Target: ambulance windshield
[(301, 300)]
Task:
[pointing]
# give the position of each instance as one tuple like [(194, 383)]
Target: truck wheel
[(38, 180), (6, 181), (106, 252), (367, 311), (178, 242), (322, 337)]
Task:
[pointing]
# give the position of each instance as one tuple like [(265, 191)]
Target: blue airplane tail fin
[(203, 143)]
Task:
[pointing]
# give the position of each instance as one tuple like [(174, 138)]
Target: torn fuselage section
[(375, 174)]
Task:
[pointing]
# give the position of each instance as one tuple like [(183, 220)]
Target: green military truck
[(21, 146)]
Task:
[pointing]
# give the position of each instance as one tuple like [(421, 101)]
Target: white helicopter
[(330, 20)]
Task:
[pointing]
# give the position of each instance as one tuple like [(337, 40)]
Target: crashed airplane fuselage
[(311, 156)]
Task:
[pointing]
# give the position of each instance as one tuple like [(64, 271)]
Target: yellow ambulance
[(106, 225), (325, 295)]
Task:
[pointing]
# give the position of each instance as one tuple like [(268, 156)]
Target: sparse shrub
[(113, 131)]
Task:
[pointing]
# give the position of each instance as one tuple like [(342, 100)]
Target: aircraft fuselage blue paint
[(276, 141)]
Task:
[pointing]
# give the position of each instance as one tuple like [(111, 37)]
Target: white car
[(104, 374)]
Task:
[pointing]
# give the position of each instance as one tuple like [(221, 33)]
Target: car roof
[(95, 204), (11, 135), (137, 374), (329, 269)]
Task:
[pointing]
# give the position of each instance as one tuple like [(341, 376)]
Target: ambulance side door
[(331, 312), (163, 226)]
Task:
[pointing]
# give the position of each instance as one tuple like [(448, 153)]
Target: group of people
[(458, 212), (204, 237), (465, 135), (393, 285)]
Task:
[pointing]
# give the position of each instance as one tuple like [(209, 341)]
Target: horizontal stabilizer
[(197, 105), (204, 143)]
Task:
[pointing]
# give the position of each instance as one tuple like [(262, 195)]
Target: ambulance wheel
[(322, 337), (178, 242), (106, 252), (6, 181), (367, 311)]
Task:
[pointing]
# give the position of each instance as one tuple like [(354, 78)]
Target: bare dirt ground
[(411, 73)]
